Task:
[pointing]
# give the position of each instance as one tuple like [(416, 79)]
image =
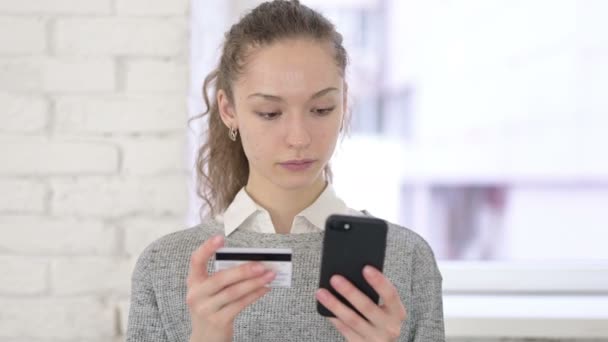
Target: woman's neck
[(284, 204)]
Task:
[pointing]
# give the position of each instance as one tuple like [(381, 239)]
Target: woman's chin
[(291, 181)]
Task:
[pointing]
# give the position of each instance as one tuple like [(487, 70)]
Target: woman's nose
[(297, 135)]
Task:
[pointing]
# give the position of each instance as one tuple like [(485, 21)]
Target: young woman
[(278, 108)]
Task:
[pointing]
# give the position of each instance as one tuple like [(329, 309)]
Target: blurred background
[(482, 125)]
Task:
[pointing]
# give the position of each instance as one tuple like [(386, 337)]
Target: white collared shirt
[(245, 213)]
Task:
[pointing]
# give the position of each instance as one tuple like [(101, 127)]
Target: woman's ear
[(226, 109)]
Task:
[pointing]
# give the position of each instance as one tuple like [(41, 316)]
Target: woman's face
[(289, 105)]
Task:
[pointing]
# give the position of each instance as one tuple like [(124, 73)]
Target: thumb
[(200, 257)]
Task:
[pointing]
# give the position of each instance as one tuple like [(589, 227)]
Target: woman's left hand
[(384, 320)]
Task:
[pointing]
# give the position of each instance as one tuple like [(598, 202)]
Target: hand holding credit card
[(276, 259), (214, 300)]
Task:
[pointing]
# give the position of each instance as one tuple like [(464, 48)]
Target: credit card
[(276, 259)]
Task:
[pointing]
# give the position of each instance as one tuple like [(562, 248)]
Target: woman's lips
[(297, 165)]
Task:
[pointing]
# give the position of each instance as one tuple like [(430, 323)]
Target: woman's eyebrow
[(280, 99)]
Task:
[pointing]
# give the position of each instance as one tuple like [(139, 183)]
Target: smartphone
[(350, 243)]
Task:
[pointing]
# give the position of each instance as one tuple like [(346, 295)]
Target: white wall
[(92, 157)]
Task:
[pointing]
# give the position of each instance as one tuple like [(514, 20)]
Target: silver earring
[(232, 132)]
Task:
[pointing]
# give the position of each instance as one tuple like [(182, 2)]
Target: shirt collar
[(239, 210), (243, 206), (326, 204)]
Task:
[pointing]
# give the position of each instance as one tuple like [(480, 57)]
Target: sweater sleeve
[(427, 310), (144, 323)]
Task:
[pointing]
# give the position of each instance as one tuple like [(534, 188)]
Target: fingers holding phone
[(349, 244), (351, 281), (374, 322), (387, 291)]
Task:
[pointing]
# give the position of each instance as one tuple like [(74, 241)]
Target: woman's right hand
[(215, 300)]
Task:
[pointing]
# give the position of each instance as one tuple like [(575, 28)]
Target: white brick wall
[(91, 275), (56, 318), (42, 156), (31, 38), (141, 231), (93, 121), (114, 197), (43, 235), (23, 113), (100, 115), (152, 7), (17, 282), (26, 196), (57, 75), (149, 156), (56, 7), (148, 75), (120, 36)]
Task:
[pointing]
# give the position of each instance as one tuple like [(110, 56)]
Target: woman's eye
[(323, 111), (269, 115)]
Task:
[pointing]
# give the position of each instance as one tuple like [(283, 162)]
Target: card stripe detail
[(253, 256)]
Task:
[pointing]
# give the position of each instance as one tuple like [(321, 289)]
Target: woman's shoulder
[(407, 239), (406, 235), (179, 244)]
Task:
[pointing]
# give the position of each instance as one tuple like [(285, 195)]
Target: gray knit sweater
[(158, 310)]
